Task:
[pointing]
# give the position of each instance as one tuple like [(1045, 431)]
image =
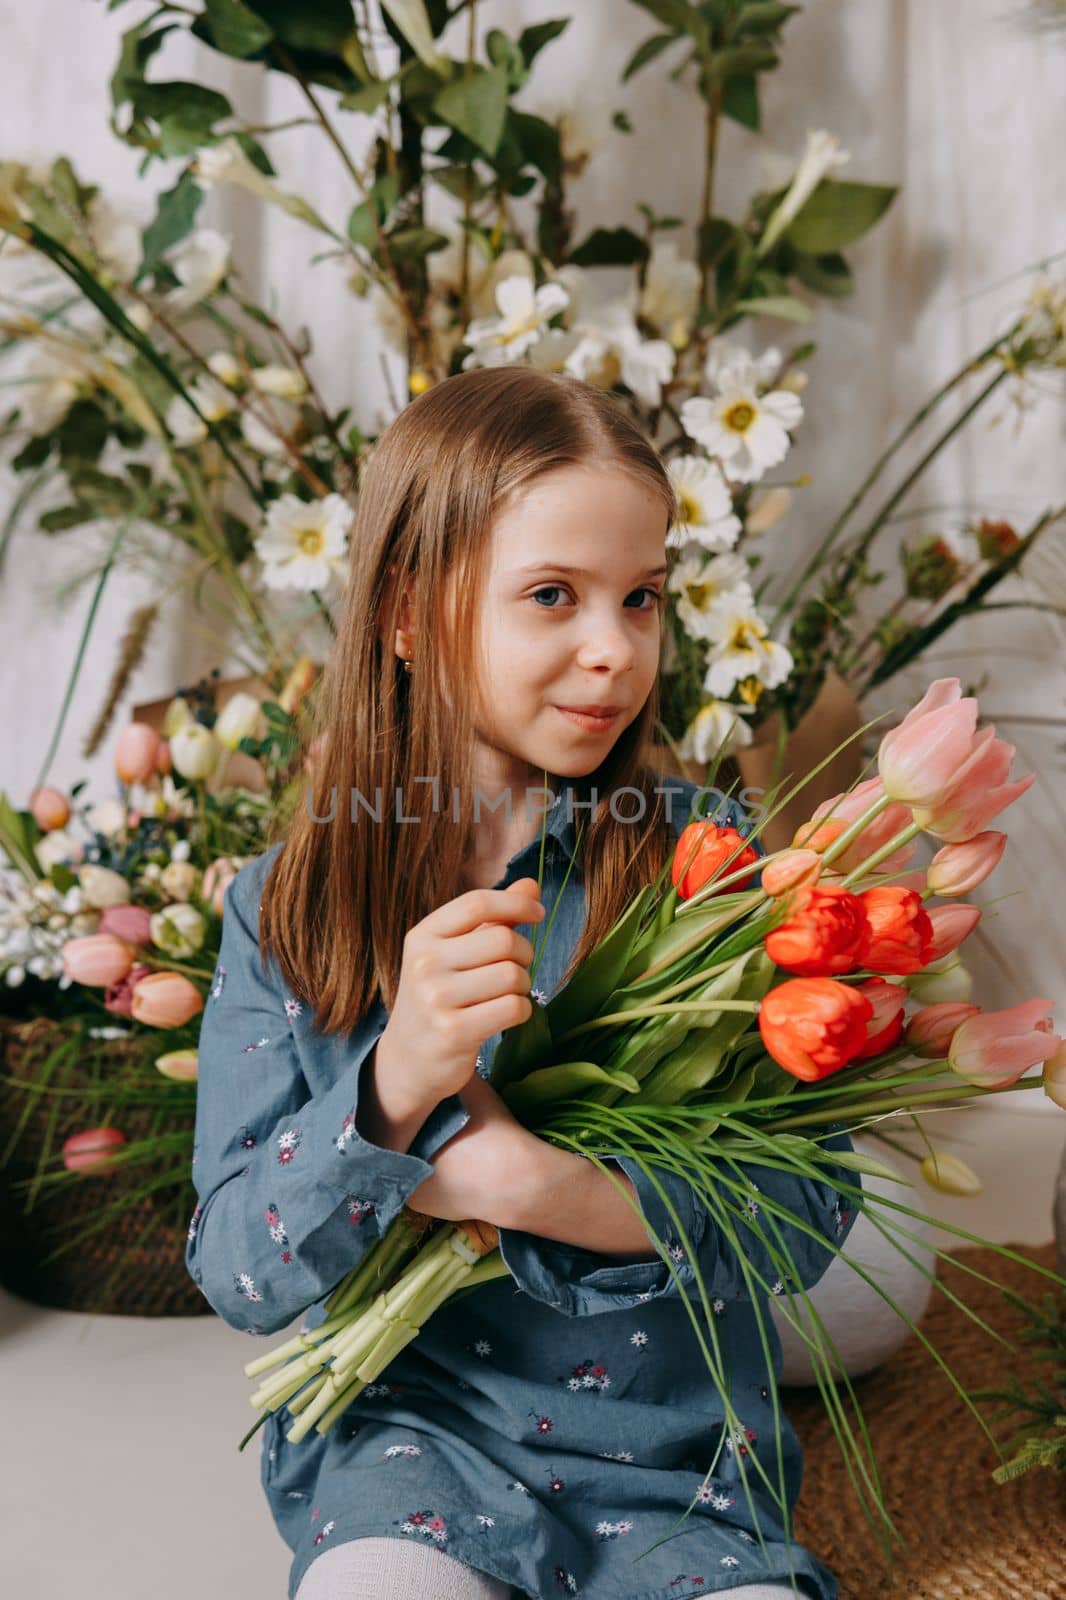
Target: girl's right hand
[(463, 977)]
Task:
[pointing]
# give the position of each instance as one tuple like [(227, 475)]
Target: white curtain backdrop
[(958, 103)]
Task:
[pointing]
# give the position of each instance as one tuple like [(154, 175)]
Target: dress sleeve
[(581, 1282), (290, 1195)]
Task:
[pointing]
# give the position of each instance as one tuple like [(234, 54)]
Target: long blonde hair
[(340, 898)]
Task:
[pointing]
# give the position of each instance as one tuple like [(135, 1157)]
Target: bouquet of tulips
[(721, 1021)]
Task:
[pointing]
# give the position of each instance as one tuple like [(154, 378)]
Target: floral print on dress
[(326, 1528), (258, 1044), (566, 1581), (245, 1286), (347, 1133), (288, 1143), (359, 1210), (219, 983), (409, 1451), (613, 1530), (709, 1495), (589, 1375), (276, 1227), (428, 1524), (194, 1223)]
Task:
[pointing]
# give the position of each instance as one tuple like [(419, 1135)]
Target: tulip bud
[(102, 887), (790, 870), (93, 1151), (930, 1031), (49, 809), (951, 925), (819, 835), (180, 1065), (225, 366), (135, 753), (165, 1000), (217, 879), (949, 1175), (131, 923), (194, 751), (1055, 1077), (238, 719), (958, 868), (57, 849), (940, 981), (179, 931), (119, 996), (180, 880), (163, 763), (178, 715), (770, 509), (98, 960)]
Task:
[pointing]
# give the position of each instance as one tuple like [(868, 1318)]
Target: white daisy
[(482, 1347), (264, 431), (707, 515), (743, 649), (304, 542), (523, 314), (640, 1338), (213, 402), (116, 238), (51, 382), (671, 290), (293, 1009), (701, 584), (717, 726), (611, 350), (729, 1561), (199, 263), (746, 431)]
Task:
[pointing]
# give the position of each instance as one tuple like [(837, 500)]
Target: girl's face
[(570, 619)]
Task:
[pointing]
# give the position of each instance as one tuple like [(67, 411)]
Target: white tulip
[(178, 930), (180, 879), (194, 751), (238, 719), (102, 887)]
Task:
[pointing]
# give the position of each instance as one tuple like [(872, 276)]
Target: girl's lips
[(590, 724)]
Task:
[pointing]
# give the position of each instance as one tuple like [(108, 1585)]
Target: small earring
[(407, 663)]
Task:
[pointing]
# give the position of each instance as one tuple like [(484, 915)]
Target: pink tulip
[(931, 1030), (958, 868), (93, 1150), (876, 834), (119, 997), (997, 1047), (49, 809), (217, 879), (98, 960), (1055, 1077), (181, 1065), (921, 759), (163, 762), (136, 753), (885, 1028), (978, 793), (131, 923), (791, 869), (951, 925), (165, 1000)]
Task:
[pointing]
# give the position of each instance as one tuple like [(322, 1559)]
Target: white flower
[(700, 583), (180, 880), (822, 155), (102, 887), (226, 162), (743, 649), (184, 425), (671, 291), (584, 128), (260, 436), (283, 382), (51, 382), (194, 751), (745, 430), (717, 726), (199, 263), (108, 818), (239, 719), (225, 366), (523, 313), (610, 348), (116, 238), (707, 515), (304, 542), (178, 930)]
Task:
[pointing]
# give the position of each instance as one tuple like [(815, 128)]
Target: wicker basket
[(135, 1266)]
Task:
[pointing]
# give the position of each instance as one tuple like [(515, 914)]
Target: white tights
[(399, 1569)]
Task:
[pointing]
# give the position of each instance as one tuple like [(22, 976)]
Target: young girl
[(502, 622)]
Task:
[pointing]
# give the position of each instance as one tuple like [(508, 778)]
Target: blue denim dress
[(549, 1426)]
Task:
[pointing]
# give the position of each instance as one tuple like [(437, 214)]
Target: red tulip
[(814, 1026), (825, 935), (931, 1030), (997, 1047), (705, 846), (136, 753), (165, 1000), (98, 960), (885, 1028), (93, 1150), (900, 932)]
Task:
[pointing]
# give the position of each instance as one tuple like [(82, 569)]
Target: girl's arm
[(291, 1194)]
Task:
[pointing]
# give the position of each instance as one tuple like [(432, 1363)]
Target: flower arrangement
[(161, 406), (110, 918), (724, 1021)]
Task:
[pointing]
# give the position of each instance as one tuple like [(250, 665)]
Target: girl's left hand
[(489, 1169)]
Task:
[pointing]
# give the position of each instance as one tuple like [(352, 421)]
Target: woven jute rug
[(967, 1537)]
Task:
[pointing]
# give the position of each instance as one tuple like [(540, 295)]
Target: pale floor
[(119, 1472)]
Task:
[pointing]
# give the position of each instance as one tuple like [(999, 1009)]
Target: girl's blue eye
[(657, 596)]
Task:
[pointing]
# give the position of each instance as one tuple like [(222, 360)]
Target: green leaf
[(411, 19), (235, 29), (764, 17), (828, 275), (647, 52), (740, 101), (190, 105), (367, 99), (742, 60), (783, 306), (837, 214), (547, 1087), (60, 518), (476, 106), (505, 54), (676, 14), (537, 142), (83, 432), (361, 228), (33, 453), (139, 45), (322, 25), (175, 214), (412, 243), (610, 247), (600, 975), (18, 835), (531, 41)]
